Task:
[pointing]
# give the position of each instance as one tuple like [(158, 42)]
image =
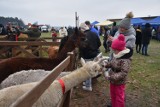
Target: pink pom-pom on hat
[(119, 43)]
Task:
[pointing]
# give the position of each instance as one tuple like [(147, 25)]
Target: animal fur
[(52, 96), (12, 65), (53, 51), (28, 76)]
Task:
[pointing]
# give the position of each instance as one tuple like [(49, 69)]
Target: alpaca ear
[(98, 57), (75, 35), (83, 62), (76, 30)]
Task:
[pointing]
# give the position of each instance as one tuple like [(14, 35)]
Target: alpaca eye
[(83, 39)]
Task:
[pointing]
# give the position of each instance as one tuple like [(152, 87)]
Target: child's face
[(122, 30), (115, 51)]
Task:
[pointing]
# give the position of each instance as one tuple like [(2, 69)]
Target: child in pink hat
[(120, 66)]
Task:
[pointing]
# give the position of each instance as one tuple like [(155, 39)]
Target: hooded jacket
[(120, 66), (129, 37), (90, 46), (32, 32)]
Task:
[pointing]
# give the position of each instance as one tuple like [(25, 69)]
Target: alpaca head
[(95, 66), (70, 42), (77, 37), (92, 67), (53, 51)]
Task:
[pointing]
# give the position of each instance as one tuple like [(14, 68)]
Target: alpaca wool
[(53, 95)]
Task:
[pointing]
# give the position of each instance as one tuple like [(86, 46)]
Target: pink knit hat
[(119, 43)]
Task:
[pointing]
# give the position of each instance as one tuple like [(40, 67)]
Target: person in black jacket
[(146, 37), (138, 39), (12, 32), (89, 49), (33, 34), (2, 30), (114, 29)]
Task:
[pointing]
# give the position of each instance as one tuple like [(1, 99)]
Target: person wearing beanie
[(89, 49), (146, 37), (120, 66), (129, 33), (83, 27), (127, 30)]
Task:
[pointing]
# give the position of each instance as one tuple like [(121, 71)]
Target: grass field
[(143, 88), (145, 76)]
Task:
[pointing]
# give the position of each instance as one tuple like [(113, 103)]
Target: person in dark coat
[(12, 32), (2, 30), (158, 34), (33, 34), (91, 27), (114, 29), (106, 43), (138, 39), (89, 49), (146, 37)]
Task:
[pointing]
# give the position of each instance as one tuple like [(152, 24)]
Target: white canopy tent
[(104, 23)]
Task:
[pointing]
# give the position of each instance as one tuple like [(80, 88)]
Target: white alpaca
[(27, 76), (52, 96)]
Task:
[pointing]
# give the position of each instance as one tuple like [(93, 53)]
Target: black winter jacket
[(90, 46)]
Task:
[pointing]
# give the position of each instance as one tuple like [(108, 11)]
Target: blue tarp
[(155, 21), (137, 21), (95, 22)]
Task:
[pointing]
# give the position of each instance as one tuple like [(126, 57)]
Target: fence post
[(71, 64)]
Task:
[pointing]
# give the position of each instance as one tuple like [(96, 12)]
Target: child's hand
[(106, 75), (110, 38), (103, 64)]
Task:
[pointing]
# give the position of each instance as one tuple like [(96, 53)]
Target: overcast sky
[(62, 12)]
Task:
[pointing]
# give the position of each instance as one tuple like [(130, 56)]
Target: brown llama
[(12, 65), (53, 52)]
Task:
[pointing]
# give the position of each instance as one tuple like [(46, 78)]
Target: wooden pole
[(76, 20)]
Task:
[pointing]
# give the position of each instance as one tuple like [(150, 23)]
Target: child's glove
[(103, 64), (106, 75)]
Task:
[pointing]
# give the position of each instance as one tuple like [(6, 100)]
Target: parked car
[(44, 29)]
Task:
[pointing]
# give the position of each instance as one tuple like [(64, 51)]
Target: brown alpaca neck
[(69, 46)]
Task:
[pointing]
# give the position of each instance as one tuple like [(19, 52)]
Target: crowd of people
[(119, 41), (12, 32), (143, 37)]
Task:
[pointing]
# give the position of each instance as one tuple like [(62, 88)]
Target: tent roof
[(137, 21), (95, 22), (104, 23), (154, 21)]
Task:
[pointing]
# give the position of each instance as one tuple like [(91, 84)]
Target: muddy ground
[(99, 97)]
